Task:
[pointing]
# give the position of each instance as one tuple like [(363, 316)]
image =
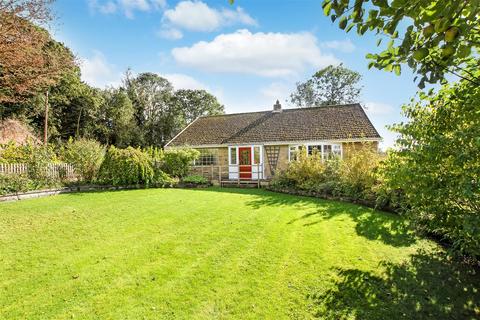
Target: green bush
[(195, 179), (163, 180), (306, 171), (15, 153), (128, 166), (437, 166), (37, 157), (358, 172), (177, 162), (86, 156), (38, 162), (15, 183)]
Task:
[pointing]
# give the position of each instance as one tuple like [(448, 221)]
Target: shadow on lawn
[(428, 286), (389, 228)]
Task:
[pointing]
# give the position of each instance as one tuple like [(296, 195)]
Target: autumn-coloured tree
[(30, 60)]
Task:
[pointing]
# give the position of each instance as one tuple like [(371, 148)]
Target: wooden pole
[(45, 126)]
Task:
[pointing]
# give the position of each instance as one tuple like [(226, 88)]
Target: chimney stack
[(277, 107)]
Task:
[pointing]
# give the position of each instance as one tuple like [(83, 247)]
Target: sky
[(248, 54)]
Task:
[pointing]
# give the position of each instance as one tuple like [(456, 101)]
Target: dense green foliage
[(133, 166), (23, 153), (438, 164), (37, 158), (221, 254), (329, 86), (177, 162), (432, 37), (128, 166), (196, 103), (86, 156), (195, 179), (116, 118), (15, 183), (149, 167)]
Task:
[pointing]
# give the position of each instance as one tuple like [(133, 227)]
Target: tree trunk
[(78, 124), (45, 126)]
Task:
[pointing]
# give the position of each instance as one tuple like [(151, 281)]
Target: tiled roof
[(306, 124)]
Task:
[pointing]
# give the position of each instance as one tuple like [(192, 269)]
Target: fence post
[(258, 175)]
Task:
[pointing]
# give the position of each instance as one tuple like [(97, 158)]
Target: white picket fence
[(53, 170)]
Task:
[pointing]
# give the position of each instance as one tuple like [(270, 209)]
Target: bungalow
[(255, 145)]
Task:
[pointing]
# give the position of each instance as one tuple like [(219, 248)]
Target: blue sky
[(248, 54)]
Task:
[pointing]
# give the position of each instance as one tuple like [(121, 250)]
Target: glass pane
[(312, 148), (256, 155), (207, 157), (292, 153), (233, 155), (245, 158), (327, 151), (337, 150)]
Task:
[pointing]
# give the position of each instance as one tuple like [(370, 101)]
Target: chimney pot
[(277, 107)]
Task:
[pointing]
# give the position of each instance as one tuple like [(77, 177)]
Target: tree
[(116, 122), (73, 111), (437, 164), (431, 37), (195, 103), (329, 86), (30, 60), (155, 113)]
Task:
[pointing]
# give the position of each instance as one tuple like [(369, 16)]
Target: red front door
[(245, 163)]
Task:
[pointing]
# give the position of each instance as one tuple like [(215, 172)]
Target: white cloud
[(346, 46), (170, 33), (276, 90), (264, 54), (97, 72), (198, 16), (378, 108), (183, 81), (107, 8), (128, 7)]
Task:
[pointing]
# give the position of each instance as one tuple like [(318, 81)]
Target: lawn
[(221, 253)]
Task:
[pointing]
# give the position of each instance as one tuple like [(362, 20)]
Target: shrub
[(437, 166), (306, 171), (86, 156), (163, 180), (177, 162), (358, 172), (195, 179), (15, 183), (15, 153), (126, 167), (38, 161)]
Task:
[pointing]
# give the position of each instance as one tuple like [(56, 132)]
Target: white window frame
[(215, 157), (319, 143)]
